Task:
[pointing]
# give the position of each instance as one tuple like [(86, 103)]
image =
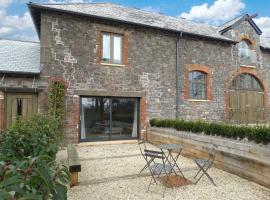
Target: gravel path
[(111, 172)]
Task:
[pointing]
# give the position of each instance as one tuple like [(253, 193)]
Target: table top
[(170, 146)]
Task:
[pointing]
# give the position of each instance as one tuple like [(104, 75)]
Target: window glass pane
[(245, 82), (197, 88), (117, 49), (106, 48), (19, 106)]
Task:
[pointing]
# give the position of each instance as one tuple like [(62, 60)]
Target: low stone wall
[(247, 160)]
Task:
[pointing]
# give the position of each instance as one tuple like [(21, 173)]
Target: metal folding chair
[(156, 168), (205, 165), (143, 150)]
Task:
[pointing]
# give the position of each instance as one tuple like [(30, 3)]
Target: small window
[(197, 85), (111, 48), (248, 56), (19, 107)]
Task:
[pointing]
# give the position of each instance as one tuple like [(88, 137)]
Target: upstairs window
[(197, 85), (248, 56), (111, 48)]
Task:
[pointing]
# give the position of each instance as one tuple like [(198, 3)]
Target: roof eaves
[(37, 6), (253, 24)]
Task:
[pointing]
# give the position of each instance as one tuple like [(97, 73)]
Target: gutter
[(178, 74), (19, 73)]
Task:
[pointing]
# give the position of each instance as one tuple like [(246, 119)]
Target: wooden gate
[(246, 100), (19, 105)]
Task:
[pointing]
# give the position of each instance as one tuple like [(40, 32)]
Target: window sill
[(198, 100), (111, 64), (248, 66)]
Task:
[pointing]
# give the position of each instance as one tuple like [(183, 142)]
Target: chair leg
[(143, 169), (199, 170), (204, 172)]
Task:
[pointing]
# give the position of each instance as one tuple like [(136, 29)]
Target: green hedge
[(258, 134)]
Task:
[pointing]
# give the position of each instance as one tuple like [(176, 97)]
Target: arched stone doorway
[(246, 99)]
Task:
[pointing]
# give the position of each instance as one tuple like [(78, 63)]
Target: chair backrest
[(212, 153)]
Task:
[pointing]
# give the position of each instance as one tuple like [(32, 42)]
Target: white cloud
[(18, 22), (5, 30), (220, 11), (5, 3), (264, 25)]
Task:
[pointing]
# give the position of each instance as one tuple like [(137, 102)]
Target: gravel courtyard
[(111, 172)]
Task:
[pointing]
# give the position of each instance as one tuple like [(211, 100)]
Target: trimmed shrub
[(259, 134)]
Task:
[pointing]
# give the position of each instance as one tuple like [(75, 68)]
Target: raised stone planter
[(247, 160)]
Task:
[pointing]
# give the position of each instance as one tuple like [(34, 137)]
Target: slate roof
[(134, 16), (265, 42), (230, 23), (19, 57)]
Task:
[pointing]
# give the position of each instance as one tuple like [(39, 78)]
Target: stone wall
[(69, 48), (219, 59), (221, 62)]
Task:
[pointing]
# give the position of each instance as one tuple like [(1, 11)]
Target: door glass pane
[(95, 116), (124, 118), (106, 48), (109, 118), (117, 49)]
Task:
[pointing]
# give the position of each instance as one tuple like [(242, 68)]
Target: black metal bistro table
[(167, 149)]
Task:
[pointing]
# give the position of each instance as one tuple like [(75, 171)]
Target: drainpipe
[(178, 74)]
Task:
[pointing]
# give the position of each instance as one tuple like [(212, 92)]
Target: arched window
[(246, 82), (197, 85), (247, 55)]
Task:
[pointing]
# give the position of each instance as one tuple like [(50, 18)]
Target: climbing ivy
[(56, 99)]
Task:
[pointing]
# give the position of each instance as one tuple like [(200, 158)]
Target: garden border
[(245, 159)]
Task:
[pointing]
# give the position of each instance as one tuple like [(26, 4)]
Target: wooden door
[(246, 106), (19, 105), (246, 99)]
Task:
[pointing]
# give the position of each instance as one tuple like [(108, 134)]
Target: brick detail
[(253, 72), (75, 118), (247, 38), (2, 111), (143, 117), (201, 68)]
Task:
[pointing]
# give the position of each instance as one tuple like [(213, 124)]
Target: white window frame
[(111, 59)]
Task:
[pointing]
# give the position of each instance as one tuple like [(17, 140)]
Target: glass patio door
[(108, 118)]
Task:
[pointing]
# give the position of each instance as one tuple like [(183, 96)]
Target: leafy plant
[(28, 169), (56, 99), (38, 136), (32, 178)]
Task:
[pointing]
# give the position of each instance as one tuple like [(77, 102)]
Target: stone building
[(124, 66)]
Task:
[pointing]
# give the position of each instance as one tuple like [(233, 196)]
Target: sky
[(16, 22)]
